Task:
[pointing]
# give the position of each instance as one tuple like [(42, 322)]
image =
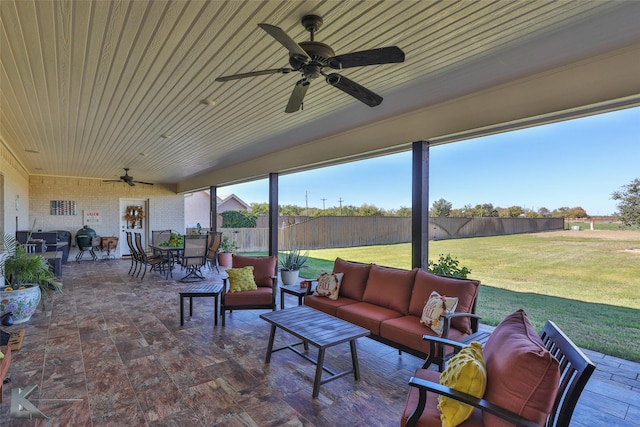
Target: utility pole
[(306, 201), (323, 200), (340, 200)]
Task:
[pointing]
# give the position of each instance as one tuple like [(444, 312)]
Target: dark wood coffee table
[(199, 291), (320, 330)]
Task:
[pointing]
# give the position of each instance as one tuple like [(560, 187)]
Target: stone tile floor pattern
[(110, 351)]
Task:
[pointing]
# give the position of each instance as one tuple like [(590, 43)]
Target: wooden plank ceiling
[(90, 87)]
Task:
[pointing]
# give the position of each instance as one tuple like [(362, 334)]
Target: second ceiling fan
[(314, 59)]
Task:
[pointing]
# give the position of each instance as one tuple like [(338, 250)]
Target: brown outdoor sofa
[(389, 302)]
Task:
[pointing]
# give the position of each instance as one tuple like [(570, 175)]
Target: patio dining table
[(171, 252)]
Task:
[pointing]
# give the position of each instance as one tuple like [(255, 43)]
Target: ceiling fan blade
[(254, 73), (383, 55), (359, 92), (131, 183), (142, 182), (297, 96), (294, 48)]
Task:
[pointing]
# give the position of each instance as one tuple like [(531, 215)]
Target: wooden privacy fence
[(342, 231)]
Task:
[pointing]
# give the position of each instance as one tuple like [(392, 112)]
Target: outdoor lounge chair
[(262, 298), (521, 380)]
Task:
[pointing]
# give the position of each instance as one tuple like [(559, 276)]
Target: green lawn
[(589, 286)]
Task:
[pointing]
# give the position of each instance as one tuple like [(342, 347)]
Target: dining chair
[(134, 254), (155, 262), (194, 257), (213, 247)]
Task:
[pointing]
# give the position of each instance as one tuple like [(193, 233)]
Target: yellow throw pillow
[(329, 285), (241, 279), (435, 306), (467, 373)]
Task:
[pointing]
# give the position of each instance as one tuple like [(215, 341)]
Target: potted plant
[(290, 264), (448, 266), (26, 276), (227, 247)]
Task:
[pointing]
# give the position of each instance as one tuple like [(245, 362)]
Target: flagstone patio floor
[(110, 351)]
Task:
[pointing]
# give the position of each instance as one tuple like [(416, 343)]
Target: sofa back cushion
[(354, 279), (465, 290), (264, 268), (390, 288), (522, 375)]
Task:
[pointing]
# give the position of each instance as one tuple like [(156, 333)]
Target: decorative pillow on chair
[(435, 306), (329, 285), (241, 279), (466, 372)]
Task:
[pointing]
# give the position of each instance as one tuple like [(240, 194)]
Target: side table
[(204, 290), (295, 290)]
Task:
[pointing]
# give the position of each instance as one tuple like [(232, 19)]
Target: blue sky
[(572, 163)]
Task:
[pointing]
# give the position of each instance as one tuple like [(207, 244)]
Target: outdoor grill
[(86, 240)]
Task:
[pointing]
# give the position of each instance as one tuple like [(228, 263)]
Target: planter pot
[(224, 259), (22, 303), (289, 277)]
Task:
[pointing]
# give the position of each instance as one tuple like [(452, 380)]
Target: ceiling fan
[(314, 59), (127, 179)]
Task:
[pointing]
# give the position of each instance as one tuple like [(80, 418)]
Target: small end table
[(295, 290), (204, 290)]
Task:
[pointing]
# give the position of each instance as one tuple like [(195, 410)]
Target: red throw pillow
[(264, 268), (522, 375)]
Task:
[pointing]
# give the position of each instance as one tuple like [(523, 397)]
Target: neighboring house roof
[(196, 206)]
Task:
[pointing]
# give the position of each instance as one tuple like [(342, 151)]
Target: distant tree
[(629, 203), (403, 211), (370, 210), (531, 214), (544, 212), (487, 210), (577, 212), (562, 212), (260, 208), (440, 208), (291, 210), (515, 211)]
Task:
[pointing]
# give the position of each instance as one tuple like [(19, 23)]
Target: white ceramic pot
[(289, 277), (21, 302)]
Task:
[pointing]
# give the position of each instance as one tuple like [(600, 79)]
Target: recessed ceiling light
[(39, 169), (29, 150), (209, 102), (166, 135)]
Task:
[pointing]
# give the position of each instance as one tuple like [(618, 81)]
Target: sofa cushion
[(264, 268), (515, 347), (437, 305), (327, 305), (329, 285), (465, 290), (241, 279), (354, 279), (390, 288), (260, 296), (465, 372), (367, 315), (408, 331)]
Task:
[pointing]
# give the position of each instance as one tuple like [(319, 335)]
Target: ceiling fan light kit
[(312, 59)]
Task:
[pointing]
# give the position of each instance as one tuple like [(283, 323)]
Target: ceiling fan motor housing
[(320, 55)]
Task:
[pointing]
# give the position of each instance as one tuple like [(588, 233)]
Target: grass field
[(588, 282)]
